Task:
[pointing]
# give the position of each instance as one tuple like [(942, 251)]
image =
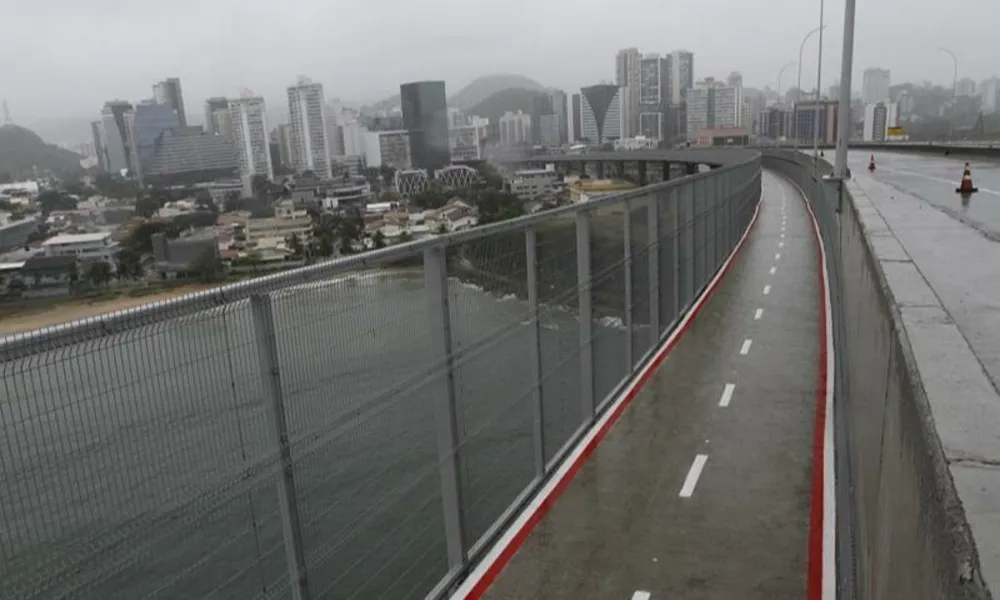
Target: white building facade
[(249, 134), (310, 149), (879, 117), (515, 128), (603, 113)]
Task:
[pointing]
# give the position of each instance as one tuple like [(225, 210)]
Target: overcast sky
[(66, 57)]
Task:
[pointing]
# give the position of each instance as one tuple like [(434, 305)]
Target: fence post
[(690, 225), (675, 196), (586, 316), (653, 232), (629, 318), (445, 409), (270, 374), (535, 351)]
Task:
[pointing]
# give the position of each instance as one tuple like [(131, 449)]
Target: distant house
[(47, 275), (174, 257)]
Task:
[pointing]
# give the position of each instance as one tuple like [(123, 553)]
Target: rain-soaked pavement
[(702, 489), (933, 179)]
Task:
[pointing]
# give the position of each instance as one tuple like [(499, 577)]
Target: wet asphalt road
[(933, 179), (639, 516)]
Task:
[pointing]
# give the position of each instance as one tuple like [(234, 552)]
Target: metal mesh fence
[(357, 429)]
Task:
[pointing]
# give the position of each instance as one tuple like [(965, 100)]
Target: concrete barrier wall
[(902, 530)]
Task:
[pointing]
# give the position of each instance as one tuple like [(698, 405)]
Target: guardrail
[(901, 530), (358, 428)]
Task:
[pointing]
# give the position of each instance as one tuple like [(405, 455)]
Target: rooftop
[(76, 238)]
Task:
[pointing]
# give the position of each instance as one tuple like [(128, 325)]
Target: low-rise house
[(85, 247), (172, 257), (47, 276)]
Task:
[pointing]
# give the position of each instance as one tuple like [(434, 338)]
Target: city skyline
[(208, 69)]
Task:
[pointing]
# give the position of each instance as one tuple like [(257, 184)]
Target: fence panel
[(366, 425)]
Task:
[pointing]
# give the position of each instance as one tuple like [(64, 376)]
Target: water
[(141, 465)]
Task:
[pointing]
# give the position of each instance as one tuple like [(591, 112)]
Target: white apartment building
[(466, 142), (249, 117), (714, 105), (989, 91), (515, 128), (82, 246), (627, 75), (603, 113), (531, 184), (875, 85), (310, 148), (879, 117)]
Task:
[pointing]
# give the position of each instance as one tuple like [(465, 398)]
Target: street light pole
[(819, 82), (954, 60), (780, 73), (798, 86), (844, 110)]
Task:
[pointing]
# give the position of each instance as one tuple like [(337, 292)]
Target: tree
[(99, 273), (129, 263), (295, 245), (259, 184), (431, 198), (208, 266), (146, 205), (497, 206), (378, 239), (51, 200), (389, 196)]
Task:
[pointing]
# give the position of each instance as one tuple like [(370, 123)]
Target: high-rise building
[(713, 105), (515, 129), (215, 109), (809, 117), (145, 124), (560, 110), (96, 130), (627, 75), (879, 117), (387, 148), (467, 141), (989, 91), (576, 133), (425, 116), (307, 116), (169, 92), (965, 87), (249, 117), (541, 106), (679, 79), (652, 97), (116, 150), (875, 85), (282, 136), (603, 113)]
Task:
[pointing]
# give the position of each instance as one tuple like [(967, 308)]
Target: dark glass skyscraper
[(169, 92), (425, 117)]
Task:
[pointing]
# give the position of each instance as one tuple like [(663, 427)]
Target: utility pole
[(844, 124)]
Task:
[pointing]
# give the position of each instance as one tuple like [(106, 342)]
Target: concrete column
[(665, 166), (643, 180), (692, 168)]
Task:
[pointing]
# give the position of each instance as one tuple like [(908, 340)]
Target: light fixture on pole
[(798, 87), (780, 73)]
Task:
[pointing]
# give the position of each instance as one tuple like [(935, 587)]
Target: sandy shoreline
[(29, 319)]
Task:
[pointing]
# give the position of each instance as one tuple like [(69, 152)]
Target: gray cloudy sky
[(66, 57)]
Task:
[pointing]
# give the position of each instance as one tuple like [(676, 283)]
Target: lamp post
[(819, 84), (798, 86), (954, 61), (780, 73), (844, 110)]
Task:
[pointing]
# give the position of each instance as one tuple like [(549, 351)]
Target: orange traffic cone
[(871, 163), (966, 186)]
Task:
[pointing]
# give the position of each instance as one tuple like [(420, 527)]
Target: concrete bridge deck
[(711, 480)]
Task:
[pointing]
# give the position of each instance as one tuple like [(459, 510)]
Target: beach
[(47, 315)]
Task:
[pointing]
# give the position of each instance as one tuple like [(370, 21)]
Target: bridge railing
[(901, 531), (357, 428)]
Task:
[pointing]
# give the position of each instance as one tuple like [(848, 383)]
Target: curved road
[(702, 489), (934, 179)]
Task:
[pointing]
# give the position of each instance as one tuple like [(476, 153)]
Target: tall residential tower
[(249, 117), (627, 74), (309, 146)]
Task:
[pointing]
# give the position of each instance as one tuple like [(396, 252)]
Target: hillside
[(476, 92), (500, 102), (21, 150)]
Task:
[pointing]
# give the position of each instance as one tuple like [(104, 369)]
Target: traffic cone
[(966, 187), (871, 163)]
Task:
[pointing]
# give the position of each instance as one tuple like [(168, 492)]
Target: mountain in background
[(475, 93), (513, 100), (21, 150)]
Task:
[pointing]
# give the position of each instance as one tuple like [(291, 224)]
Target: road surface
[(702, 488)]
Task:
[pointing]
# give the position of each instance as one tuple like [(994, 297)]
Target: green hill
[(494, 106), (22, 151), (476, 92)]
